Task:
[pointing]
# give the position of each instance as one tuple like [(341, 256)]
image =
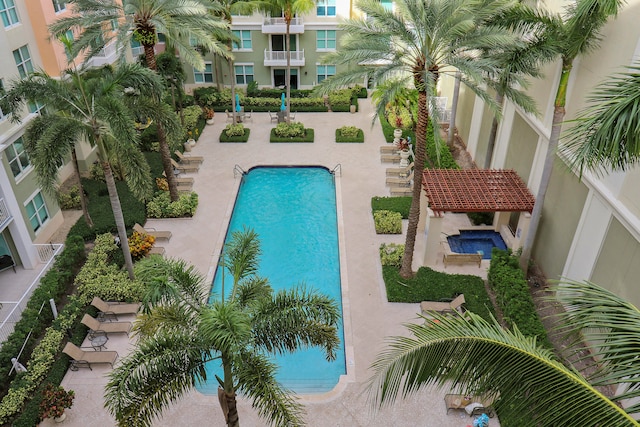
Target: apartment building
[(260, 54), (590, 227)]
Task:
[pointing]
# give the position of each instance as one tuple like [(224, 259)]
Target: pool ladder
[(237, 170), (337, 170)]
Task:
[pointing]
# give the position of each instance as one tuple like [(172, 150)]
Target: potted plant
[(208, 114), (403, 146), (55, 400)]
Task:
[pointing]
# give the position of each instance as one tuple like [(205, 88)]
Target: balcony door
[(280, 77), (277, 42)]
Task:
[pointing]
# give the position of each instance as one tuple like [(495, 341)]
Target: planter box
[(357, 138), (308, 137), (243, 138)]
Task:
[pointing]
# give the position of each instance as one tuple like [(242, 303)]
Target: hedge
[(241, 138), (513, 296), (400, 204), (358, 138), (308, 137)]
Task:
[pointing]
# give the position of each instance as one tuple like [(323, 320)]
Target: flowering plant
[(162, 184), (55, 400), (208, 113), (402, 144), (140, 244)]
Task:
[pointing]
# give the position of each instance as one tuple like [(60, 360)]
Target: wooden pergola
[(476, 190)]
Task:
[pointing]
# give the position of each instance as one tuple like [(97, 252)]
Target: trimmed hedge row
[(308, 137), (400, 204), (513, 297), (236, 138), (358, 138)]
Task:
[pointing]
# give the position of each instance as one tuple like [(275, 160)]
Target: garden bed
[(358, 138), (308, 137), (241, 138)]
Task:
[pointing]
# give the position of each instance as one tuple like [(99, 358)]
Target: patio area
[(368, 317)]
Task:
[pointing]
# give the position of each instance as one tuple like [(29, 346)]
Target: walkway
[(369, 318)]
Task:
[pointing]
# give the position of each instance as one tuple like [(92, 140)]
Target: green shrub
[(387, 222), (479, 218), (349, 134), (360, 91), (289, 130), (234, 130), (513, 296), (438, 152), (190, 116), (340, 100), (391, 254), (307, 137), (242, 138), (400, 204), (431, 285), (161, 206), (70, 199)]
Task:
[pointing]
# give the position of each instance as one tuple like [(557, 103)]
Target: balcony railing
[(278, 58), (5, 215), (107, 55), (14, 309), (279, 26)]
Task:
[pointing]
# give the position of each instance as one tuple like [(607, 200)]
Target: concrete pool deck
[(368, 317)]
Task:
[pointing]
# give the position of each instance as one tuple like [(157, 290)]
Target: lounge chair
[(84, 359), (110, 310), (399, 181), (152, 232), (389, 149), (156, 250), (182, 182), (401, 191), (188, 159), (454, 306), (104, 328), (401, 171), (184, 167)]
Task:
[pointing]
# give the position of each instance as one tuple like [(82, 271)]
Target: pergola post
[(522, 230), (433, 232)]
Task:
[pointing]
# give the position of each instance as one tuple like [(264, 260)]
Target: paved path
[(369, 318)]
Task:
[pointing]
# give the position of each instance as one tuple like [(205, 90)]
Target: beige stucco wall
[(464, 113), (562, 209), (618, 265), (522, 147)]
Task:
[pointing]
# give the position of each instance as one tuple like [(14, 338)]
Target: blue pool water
[(472, 241), (293, 211)]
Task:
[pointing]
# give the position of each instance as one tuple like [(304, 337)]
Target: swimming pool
[(472, 241), (293, 211)]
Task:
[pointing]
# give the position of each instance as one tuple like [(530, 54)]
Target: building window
[(9, 13), (324, 71), (114, 24), (245, 40), (162, 38), (244, 74), (35, 107), (37, 211), (204, 76), (387, 4), (326, 40), (18, 159), (2, 116), (23, 61), (136, 48), (326, 7), (59, 5)]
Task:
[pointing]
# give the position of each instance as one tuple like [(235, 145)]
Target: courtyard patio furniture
[(188, 159), (105, 328), (477, 404), (184, 167), (152, 232), (84, 359), (454, 306), (156, 250), (400, 181), (110, 310), (400, 171)]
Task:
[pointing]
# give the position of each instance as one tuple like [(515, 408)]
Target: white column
[(433, 230), (476, 123), (504, 136), (588, 239)]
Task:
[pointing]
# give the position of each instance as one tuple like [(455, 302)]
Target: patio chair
[(110, 310), (229, 116), (156, 250), (152, 232), (454, 306), (188, 159), (84, 359), (184, 167), (105, 328), (273, 116), (400, 171), (401, 191), (399, 181), (182, 182), (247, 116)]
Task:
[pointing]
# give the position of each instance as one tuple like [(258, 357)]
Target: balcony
[(107, 55), (5, 215), (278, 26), (278, 58)]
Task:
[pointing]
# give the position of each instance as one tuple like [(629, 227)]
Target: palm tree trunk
[(406, 270), (556, 129), (287, 46), (233, 91), (227, 395), (454, 108), (83, 199), (150, 56), (216, 68), (492, 135), (119, 218)]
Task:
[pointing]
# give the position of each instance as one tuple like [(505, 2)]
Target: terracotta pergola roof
[(476, 190)]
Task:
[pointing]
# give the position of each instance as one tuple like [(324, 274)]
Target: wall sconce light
[(305, 73)]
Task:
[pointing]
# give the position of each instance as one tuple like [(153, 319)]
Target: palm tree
[(183, 22), (531, 386), (289, 9), (94, 106), (180, 333), (577, 32), (418, 42), (606, 136)]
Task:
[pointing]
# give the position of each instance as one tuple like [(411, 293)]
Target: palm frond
[(225, 327), (481, 357)]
